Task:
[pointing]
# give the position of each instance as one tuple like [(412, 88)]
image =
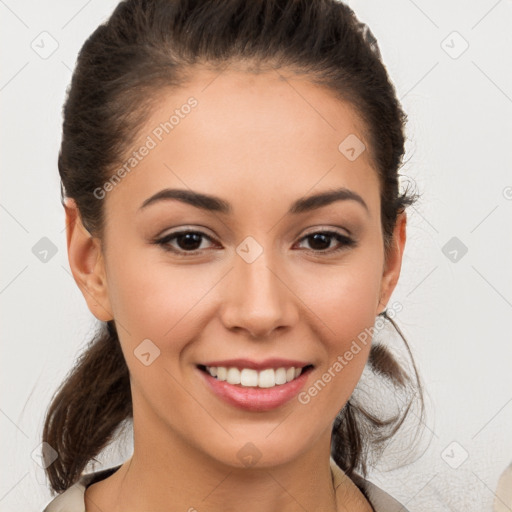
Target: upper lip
[(258, 365)]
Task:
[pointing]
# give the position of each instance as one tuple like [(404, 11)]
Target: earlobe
[(393, 263), (87, 263)]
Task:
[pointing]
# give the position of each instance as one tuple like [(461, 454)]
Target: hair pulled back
[(147, 46)]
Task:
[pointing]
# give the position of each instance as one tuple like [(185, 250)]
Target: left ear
[(393, 262)]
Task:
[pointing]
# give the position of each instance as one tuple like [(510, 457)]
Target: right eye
[(188, 242)]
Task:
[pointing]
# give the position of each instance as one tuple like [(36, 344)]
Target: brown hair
[(148, 45)]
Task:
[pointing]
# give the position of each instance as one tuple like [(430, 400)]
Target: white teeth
[(233, 376), (267, 378), (248, 377), (281, 376), (222, 373)]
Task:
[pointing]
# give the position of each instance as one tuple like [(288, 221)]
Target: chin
[(260, 450)]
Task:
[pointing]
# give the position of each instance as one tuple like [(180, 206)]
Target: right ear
[(87, 263)]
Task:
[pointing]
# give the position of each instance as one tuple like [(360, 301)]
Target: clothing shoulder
[(72, 499), (379, 499)]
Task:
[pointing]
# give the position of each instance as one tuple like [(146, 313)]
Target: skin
[(258, 141)]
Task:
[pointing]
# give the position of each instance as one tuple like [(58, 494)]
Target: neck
[(191, 482), (167, 474), (285, 489), (178, 478)]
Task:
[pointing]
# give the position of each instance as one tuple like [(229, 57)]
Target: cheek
[(343, 302), (156, 300), (164, 304), (344, 297)]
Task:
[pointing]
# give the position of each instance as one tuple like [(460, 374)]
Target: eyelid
[(186, 228), (331, 229), (199, 229)]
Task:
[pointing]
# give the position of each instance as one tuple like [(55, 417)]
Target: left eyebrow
[(216, 204), (316, 201)]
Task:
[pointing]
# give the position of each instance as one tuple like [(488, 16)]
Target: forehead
[(252, 136)]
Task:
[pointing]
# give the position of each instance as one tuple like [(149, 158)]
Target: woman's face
[(249, 282)]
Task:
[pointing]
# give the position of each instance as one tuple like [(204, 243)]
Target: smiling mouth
[(249, 377)]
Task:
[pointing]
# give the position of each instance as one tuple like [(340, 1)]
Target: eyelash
[(344, 240)]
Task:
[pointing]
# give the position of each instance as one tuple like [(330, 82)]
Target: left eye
[(323, 239)]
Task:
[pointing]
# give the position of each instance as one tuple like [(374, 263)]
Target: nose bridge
[(260, 301)]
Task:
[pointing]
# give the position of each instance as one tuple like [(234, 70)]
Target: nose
[(257, 298)]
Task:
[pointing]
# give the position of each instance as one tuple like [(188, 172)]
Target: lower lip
[(252, 398)]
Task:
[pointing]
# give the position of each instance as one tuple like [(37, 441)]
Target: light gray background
[(456, 314)]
